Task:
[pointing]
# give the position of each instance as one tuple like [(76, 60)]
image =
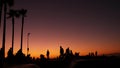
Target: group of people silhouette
[(21, 58)]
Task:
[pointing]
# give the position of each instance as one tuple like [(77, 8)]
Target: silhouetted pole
[(28, 35), (12, 14), (12, 34), (23, 14), (4, 33), (5, 4), (22, 32)]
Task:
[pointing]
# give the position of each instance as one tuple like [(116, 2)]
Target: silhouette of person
[(92, 54), (47, 54), (61, 51), (96, 53), (67, 51)]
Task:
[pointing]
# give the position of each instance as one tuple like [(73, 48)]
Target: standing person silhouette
[(47, 54)]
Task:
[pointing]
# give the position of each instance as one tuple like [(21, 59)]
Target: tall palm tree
[(22, 12), (12, 14), (6, 3), (2, 2)]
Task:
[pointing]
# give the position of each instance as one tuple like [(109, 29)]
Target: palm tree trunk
[(22, 31), (12, 33), (1, 5), (4, 33)]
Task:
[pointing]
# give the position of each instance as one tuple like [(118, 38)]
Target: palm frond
[(10, 2), (13, 13), (23, 12)]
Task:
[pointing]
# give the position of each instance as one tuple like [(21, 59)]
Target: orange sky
[(83, 44)]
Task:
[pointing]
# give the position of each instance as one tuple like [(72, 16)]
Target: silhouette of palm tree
[(12, 14), (22, 12), (5, 4)]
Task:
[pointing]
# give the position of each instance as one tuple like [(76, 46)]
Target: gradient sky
[(84, 26)]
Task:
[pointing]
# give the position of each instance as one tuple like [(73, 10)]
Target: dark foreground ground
[(111, 62), (98, 63)]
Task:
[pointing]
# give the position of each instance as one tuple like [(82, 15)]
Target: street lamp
[(28, 35)]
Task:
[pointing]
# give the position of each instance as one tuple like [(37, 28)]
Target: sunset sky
[(82, 25)]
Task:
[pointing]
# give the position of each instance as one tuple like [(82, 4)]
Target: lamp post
[(28, 35)]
